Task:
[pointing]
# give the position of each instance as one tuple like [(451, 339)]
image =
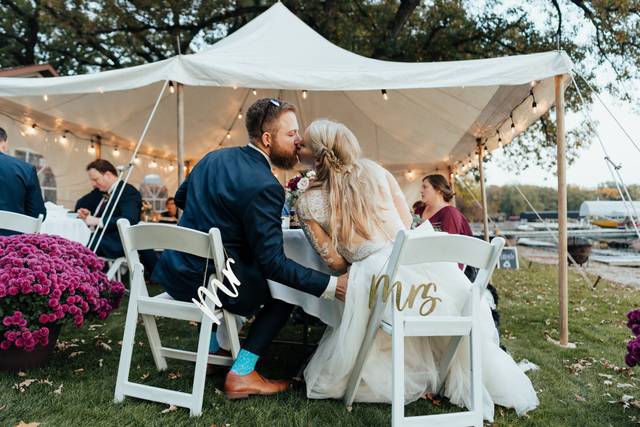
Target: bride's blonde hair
[(349, 179)]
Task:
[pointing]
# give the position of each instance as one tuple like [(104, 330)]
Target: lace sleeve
[(313, 214), (399, 201)]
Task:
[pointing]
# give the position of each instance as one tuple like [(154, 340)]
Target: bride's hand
[(341, 287)]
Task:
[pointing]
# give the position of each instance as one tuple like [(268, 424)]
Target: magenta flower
[(45, 280)]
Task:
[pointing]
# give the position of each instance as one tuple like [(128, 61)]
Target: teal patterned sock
[(245, 363), (213, 343)]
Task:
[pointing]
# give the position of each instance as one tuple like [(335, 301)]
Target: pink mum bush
[(45, 280)]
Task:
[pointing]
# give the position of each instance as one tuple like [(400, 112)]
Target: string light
[(235, 87), (304, 94), (240, 115), (63, 139), (45, 97), (170, 167), (136, 160), (228, 135), (31, 130), (172, 89), (116, 151), (254, 92), (384, 94), (92, 148), (153, 164)]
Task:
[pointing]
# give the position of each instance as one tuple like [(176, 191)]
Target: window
[(45, 174), (154, 192)]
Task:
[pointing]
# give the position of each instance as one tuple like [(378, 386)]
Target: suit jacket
[(20, 188), (90, 200), (234, 190), (128, 207)]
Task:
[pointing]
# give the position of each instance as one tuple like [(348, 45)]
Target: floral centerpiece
[(633, 347), (46, 281)]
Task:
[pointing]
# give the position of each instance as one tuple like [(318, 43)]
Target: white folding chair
[(159, 236), (20, 223), (115, 267), (417, 247)]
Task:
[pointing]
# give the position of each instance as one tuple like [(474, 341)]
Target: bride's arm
[(399, 201), (323, 245)]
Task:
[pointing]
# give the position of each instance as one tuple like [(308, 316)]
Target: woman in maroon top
[(436, 195)]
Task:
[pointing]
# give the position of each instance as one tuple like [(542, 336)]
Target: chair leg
[(476, 364), (397, 372), (154, 341), (152, 335), (200, 372), (127, 349), (232, 332)]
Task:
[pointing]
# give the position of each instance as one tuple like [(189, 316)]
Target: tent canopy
[(432, 117)]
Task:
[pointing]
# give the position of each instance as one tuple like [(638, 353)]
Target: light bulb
[(136, 160), (153, 164), (170, 167), (304, 94), (255, 92), (240, 115), (172, 89), (535, 107), (116, 152), (228, 135), (91, 149), (384, 94), (45, 97)]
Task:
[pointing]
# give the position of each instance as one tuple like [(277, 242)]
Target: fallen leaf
[(58, 390), (100, 362), (95, 326), (607, 376), (75, 354), (174, 375), (607, 382), (625, 385), (31, 424), (171, 408), (104, 345), (580, 398), (430, 397), (77, 371), (22, 374), (24, 385), (2, 407), (144, 377)]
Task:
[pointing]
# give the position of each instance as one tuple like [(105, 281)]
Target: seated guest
[(20, 186), (89, 201), (171, 214), (436, 195), (418, 208), (103, 177)]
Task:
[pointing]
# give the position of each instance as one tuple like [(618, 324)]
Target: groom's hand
[(341, 287)]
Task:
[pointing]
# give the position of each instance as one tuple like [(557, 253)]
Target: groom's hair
[(262, 115)]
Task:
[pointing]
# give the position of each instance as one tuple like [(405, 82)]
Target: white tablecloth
[(70, 228), (298, 248)]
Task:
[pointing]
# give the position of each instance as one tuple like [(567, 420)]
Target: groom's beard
[(281, 159)]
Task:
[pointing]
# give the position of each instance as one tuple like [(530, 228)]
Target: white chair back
[(20, 223)]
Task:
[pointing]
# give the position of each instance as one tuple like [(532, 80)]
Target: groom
[(234, 190)]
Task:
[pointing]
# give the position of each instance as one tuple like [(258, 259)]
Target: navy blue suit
[(128, 207), (234, 190), (20, 188), (89, 201)]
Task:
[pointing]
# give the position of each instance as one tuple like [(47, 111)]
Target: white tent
[(607, 208), (417, 117), (433, 115)]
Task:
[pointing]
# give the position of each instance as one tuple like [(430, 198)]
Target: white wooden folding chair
[(20, 223), (115, 267), (159, 236), (417, 247)]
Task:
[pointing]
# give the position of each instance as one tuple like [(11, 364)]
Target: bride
[(351, 214)]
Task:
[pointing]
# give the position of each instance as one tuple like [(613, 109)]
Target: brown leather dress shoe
[(242, 386)]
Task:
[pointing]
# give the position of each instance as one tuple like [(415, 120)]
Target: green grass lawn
[(579, 387)]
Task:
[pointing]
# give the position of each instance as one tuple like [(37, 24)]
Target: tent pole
[(181, 164), (563, 268), (452, 184), (483, 192)]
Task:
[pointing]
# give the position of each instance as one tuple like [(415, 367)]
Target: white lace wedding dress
[(328, 372)]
